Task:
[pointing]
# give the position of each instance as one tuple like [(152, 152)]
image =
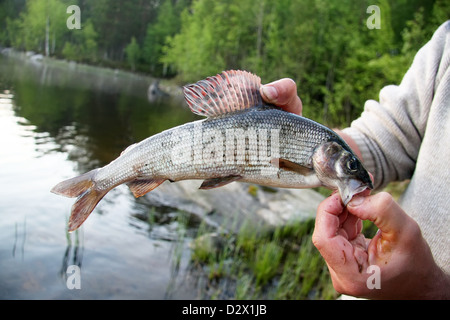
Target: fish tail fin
[(88, 195)]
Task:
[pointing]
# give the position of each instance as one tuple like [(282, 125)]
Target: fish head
[(339, 168)]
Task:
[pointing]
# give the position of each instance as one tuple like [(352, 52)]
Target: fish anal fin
[(219, 182), (142, 186), (291, 166), (229, 91)]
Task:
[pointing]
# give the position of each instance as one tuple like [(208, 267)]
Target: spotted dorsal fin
[(226, 92)]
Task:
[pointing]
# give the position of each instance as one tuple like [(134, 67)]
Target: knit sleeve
[(389, 132)]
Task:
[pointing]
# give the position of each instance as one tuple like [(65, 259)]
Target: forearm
[(390, 131)]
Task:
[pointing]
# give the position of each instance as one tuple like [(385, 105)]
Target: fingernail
[(270, 93), (356, 201)]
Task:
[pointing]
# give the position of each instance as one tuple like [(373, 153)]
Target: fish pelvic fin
[(141, 187), (218, 182), (229, 91), (88, 195)]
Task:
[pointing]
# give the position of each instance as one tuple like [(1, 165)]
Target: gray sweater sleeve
[(389, 133)]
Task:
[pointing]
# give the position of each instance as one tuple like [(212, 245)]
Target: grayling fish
[(242, 139)]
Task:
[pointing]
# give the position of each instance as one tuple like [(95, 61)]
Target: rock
[(154, 93), (232, 205), (37, 58), (6, 51), (209, 244)]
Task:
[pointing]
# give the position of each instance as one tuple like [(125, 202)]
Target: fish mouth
[(347, 189)]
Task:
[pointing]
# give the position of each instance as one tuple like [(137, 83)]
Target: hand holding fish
[(401, 256), (406, 265), (283, 93)]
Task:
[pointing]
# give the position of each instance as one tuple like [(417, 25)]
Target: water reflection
[(19, 239), (73, 256), (57, 122), (99, 114)]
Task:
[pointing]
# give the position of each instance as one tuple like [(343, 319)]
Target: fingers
[(396, 249), (382, 210), (283, 93), (352, 226), (334, 219), (328, 218), (396, 228), (328, 237), (337, 236)]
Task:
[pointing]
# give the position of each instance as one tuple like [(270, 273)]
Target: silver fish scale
[(239, 144)]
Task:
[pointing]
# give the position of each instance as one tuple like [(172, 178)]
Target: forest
[(328, 47)]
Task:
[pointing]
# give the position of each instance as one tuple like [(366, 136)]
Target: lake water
[(58, 120)]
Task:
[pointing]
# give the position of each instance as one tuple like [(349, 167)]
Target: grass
[(276, 264), (266, 262)]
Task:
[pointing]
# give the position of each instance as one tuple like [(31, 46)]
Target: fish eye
[(352, 164)]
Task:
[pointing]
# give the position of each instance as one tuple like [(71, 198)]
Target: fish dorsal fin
[(229, 91)]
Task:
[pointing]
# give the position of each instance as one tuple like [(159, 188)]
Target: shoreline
[(161, 87)]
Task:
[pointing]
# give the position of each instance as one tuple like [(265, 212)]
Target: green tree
[(166, 24), (133, 52), (41, 27), (366, 68), (117, 22), (440, 13), (190, 52), (81, 45), (213, 36), (9, 10)]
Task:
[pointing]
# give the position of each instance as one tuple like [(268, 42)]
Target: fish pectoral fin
[(142, 186), (218, 182), (291, 166)]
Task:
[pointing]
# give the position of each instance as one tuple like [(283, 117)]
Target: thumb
[(381, 209), (387, 215), (283, 93)]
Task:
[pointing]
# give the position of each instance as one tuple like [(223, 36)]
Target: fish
[(241, 138)]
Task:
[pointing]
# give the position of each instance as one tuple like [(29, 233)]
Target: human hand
[(406, 265), (283, 93)]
